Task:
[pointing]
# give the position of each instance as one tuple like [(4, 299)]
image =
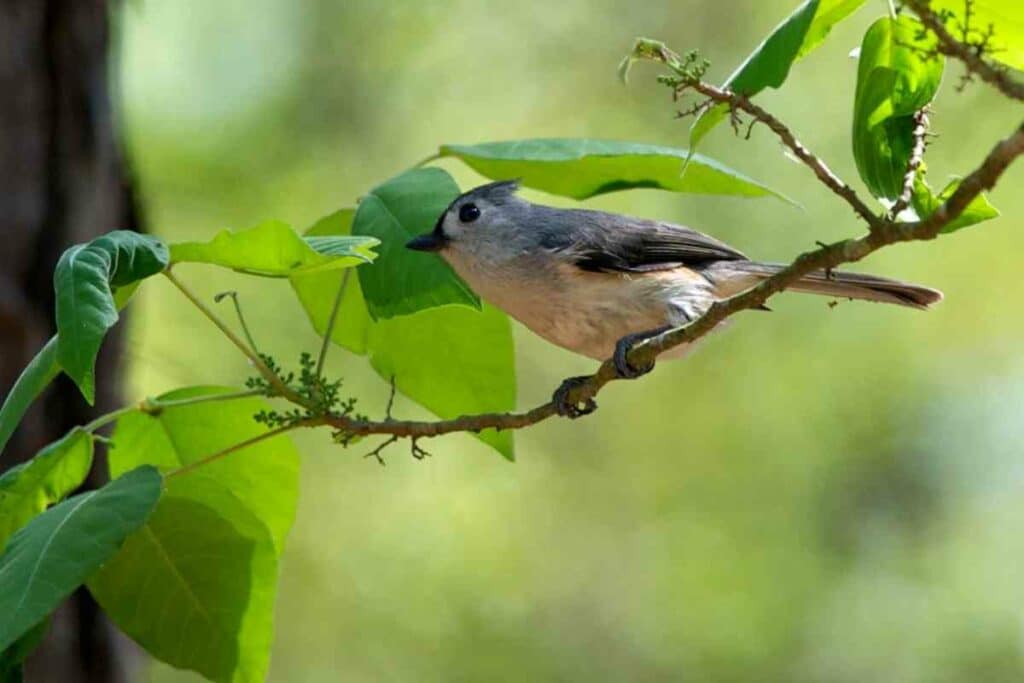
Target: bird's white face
[(476, 235)]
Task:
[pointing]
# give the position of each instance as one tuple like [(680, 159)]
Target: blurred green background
[(816, 495)]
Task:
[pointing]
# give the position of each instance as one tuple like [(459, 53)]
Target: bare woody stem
[(832, 181), (970, 55), (920, 136), (883, 233)]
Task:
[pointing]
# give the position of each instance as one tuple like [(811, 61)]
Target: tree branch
[(970, 55), (920, 135), (883, 233), (737, 102)]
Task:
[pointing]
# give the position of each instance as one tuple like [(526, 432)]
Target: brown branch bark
[(737, 102), (883, 233), (969, 55)]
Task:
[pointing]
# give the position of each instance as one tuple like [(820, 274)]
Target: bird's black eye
[(469, 213)]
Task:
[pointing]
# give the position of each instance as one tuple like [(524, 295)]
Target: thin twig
[(269, 375), (965, 52), (826, 257), (241, 318), (391, 400), (376, 452), (821, 170), (331, 321), (920, 136)]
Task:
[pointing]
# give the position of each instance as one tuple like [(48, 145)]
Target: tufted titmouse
[(597, 283)]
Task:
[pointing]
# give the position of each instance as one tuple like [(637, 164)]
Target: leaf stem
[(107, 418), (269, 375), (153, 406), (241, 317), (331, 322), (423, 162), (185, 469)]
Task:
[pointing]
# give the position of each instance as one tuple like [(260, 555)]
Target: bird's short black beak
[(432, 241)]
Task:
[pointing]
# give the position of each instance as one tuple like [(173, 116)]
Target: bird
[(598, 283)]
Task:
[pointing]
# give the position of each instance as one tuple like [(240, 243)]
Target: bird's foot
[(623, 367), (565, 406)]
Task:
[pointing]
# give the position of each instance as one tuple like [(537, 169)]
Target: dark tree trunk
[(62, 181)]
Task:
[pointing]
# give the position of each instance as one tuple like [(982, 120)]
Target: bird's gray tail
[(845, 285)]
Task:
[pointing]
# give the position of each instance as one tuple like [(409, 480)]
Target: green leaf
[(925, 203), (13, 657), (195, 586), (452, 360), (58, 550), (402, 281), (85, 280), (264, 476), (36, 376), (768, 65), (1006, 17), (895, 78), (29, 488), (582, 168), (273, 249)]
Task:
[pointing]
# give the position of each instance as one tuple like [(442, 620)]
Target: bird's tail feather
[(849, 285)]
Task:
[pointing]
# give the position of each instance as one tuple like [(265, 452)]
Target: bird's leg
[(623, 367), (569, 408)]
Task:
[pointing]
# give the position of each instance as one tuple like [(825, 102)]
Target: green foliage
[(12, 658), (36, 376), (59, 549), (925, 203), (998, 25), (897, 75), (29, 488), (582, 168), (196, 585), (187, 565), (452, 360), (263, 476), (85, 280), (319, 395), (394, 212), (768, 65), (273, 249)]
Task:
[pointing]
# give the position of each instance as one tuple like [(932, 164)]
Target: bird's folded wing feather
[(611, 243)]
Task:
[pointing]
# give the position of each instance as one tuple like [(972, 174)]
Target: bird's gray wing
[(602, 242)]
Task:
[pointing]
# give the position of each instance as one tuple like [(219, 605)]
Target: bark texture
[(62, 181)]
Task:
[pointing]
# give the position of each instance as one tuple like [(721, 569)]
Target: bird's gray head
[(477, 222)]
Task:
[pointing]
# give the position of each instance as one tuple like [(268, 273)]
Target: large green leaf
[(29, 488), (895, 78), (195, 586), (1006, 17), (402, 281), (273, 249), (58, 550), (263, 476), (36, 376), (85, 280), (582, 168), (768, 65), (453, 360), (925, 203)]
